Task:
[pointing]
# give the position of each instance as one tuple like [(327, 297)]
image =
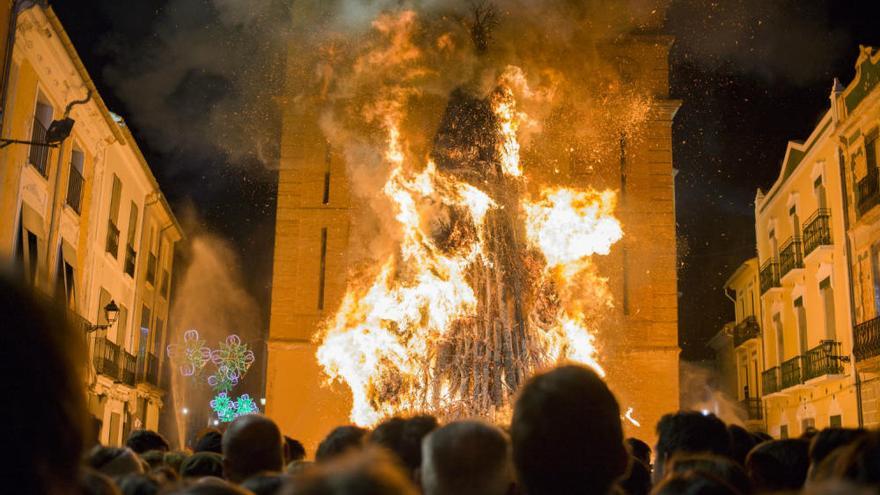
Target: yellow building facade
[(85, 222), (856, 110)]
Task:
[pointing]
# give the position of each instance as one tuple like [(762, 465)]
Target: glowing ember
[(470, 305)]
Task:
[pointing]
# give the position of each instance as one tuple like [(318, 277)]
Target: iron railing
[(792, 372), (130, 258), (112, 238), (745, 330), (148, 369), (39, 154), (817, 230), (770, 381), (106, 357), (753, 408), (74, 190), (867, 339), (129, 368), (824, 359), (869, 191), (790, 256), (151, 269), (769, 275)]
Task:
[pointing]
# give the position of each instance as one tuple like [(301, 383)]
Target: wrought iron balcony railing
[(790, 256), (112, 238), (792, 372), (817, 231), (129, 368), (106, 357), (39, 155), (753, 408), (770, 381), (130, 258), (867, 339), (824, 359), (74, 190), (769, 275), (869, 191), (745, 330), (148, 369)]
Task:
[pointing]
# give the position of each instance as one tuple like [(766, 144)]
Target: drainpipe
[(54, 212), (849, 273)]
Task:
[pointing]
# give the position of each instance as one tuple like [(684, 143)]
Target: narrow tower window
[(322, 274), (327, 158)]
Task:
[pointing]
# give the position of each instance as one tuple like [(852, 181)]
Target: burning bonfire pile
[(492, 278)]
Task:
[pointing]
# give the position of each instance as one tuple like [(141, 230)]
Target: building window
[(157, 336), (795, 222), (827, 293), (113, 221), (64, 282), (39, 155), (835, 421), (801, 315), (783, 432), (122, 326), (808, 424), (323, 268), (130, 253), (780, 344), (75, 181), (819, 191), (328, 159)]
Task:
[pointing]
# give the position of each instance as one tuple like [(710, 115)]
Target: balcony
[(769, 275), (868, 191), (151, 269), (74, 190), (824, 359), (867, 339), (112, 238), (129, 368), (770, 381), (148, 370), (106, 358), (792, 372), (130, 258), (39, 155), (746, 330), (791, 256), (817, 231), (753, 408)]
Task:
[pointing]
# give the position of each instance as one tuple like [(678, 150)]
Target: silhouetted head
[(828, 440), (138, 484), (723, 468), (741, 442), (202, 464), (115, 461), (640, 450), (266, 484), (44, 407), (371, 472), (403, 437), (637, 480), (466, 458), (859, 461), (293, 450), (141, 441), (209, 440), (252, 445), (693, 483), (566, 433), (92, 482), (690, 432), (342, 440), (779, 465)]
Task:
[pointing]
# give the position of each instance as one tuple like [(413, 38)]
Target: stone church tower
[(312, 235)]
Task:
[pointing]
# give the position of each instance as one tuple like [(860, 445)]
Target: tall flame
[(420, 336)]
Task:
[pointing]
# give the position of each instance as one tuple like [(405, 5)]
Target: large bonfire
[(492, 278)]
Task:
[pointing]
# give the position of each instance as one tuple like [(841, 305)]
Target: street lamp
[(57, 132), (111, 312)]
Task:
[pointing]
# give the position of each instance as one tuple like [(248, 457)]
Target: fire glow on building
[(479, 196)]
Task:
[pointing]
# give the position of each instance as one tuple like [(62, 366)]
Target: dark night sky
[(753, 74)]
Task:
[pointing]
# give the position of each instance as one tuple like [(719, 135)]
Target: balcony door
[(780, 343), (819, 191), (827, 293)]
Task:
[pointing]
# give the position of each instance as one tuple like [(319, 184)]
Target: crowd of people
[(565, 437)]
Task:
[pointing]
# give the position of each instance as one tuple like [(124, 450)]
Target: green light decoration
[(224, 407), (222, 380), (246, 405), (228, 409), (235, 356)]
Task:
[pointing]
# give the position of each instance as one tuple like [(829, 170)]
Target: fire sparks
[(469, 305)]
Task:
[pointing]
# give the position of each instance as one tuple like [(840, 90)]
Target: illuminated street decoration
[(192, 356), (233, 358), (222, 380), (224, 407), (228, 409)]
